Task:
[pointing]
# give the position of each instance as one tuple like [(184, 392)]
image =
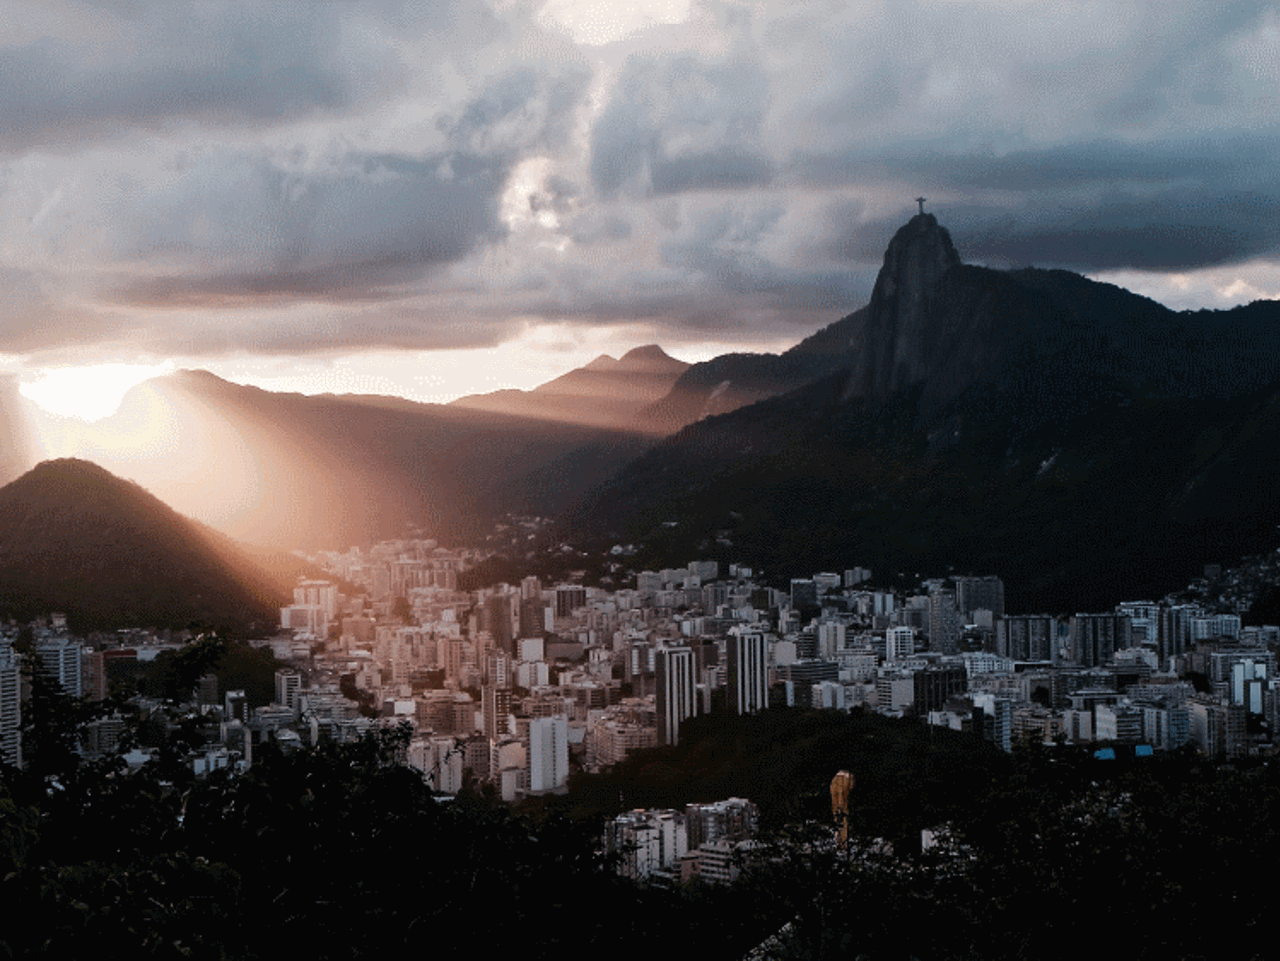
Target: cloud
[(36, 314), (1168, 204), (253, 225), (677, 123), (523, 111), (318, 176), (148, 65)]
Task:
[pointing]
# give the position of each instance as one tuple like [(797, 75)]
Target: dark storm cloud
[(1102, 205), (727, 170), (297, 176), (340, 230), (527, 109), (1239, 161), (723, 251), (677, 123), (372, 326), (718, 269), (1175, 230), (246, 64)]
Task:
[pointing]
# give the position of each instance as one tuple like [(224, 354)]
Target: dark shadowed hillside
[(730, 381), (1081, 441), (74, 538), (331, 471)]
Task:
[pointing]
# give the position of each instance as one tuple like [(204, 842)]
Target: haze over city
[(434, 199)]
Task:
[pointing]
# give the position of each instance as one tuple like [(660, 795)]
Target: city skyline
[(433, 200)]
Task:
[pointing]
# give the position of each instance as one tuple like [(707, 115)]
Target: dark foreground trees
[(1165, 858), (339, 852)]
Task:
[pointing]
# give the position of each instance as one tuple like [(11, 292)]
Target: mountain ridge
[(1066, 434)]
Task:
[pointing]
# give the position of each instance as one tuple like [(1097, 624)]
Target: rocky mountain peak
[(917, 257), (895, 347)]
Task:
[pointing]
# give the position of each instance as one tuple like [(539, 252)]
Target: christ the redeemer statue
[(920, 201)]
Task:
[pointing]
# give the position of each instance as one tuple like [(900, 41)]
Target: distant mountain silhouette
[(730, 381), (1082, 441), (331, 471), (604, 393), (77, 539)]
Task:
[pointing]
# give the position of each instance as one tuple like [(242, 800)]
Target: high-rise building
[(804, 593), (288, 687), (1173, 636), (944, 622), (236, 706), (732, 819), (831, 638), (1096, 637), (93, 675), (856, 575), (934, 685), (548, 753), (10, 707), (674, 688), (1118, 722), (899, 643), (569, 598), (495, 706), (980, 594), (533, 617), (1026, 637), (497, 617), (997, 719), (1166, 728), (1218, 728), (322, 594), (804, 674), (59, 659), (647, 841), (747, 672)]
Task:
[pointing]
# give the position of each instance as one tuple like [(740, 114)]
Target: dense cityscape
[(735, 479), (513, 687)]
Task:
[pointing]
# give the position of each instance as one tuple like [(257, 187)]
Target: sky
[(435, 198)]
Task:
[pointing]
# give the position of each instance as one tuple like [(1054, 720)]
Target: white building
[(899, 643), (648, 841), (288, 688), (60, 660), (548, 753), (10, 707)]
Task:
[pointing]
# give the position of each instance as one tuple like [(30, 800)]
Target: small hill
[(75, 538)]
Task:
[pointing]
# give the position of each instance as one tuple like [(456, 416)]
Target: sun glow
[(594, 22), (88, 393)]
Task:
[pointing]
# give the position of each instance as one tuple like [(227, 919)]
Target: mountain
[(605, 393), (730, 381), (1083, 442), (290, 470), (77, 539)]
